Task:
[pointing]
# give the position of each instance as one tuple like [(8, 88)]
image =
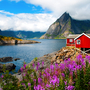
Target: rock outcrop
[(6, 59), (58, 56), (66, 25), (8, 66)]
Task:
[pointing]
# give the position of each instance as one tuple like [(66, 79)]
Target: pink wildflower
[(1, 89), (29, 84), (2, 76), (21, 69), (24, 66)]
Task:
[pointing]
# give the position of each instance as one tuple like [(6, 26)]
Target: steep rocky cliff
[(66, 25)]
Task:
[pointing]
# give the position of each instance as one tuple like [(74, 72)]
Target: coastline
[(13, 42), (55, 57)]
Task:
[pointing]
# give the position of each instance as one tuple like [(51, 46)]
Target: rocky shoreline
[(13, 42), (8, 66), (52, 58)]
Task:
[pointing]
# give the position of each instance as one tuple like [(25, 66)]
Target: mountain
[(21, 34), (7, 33), (28, 34), (66, 25)]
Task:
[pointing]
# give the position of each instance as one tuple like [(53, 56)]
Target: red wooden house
[(70, 39), (82, 41)]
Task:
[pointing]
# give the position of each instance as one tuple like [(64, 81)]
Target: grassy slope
[(9, 38)]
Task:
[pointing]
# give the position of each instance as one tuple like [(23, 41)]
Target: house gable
[(81, 35), (82, 41)]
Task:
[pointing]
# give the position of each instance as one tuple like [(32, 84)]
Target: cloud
[(6, 13), (79, 9), (26, 21)]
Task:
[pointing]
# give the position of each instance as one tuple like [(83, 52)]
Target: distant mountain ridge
[(66, 25), (21, 34)]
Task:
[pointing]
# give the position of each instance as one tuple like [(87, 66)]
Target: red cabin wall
[(84, 42), (70, 43)]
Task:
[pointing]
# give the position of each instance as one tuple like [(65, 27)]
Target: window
[(70, 40), (78, 41)]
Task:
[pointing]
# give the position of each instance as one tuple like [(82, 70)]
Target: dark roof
[(73, 36)]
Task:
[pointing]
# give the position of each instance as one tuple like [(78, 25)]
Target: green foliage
[(60, 37), (69, 23), (48, 35), (1, 37), (70, 32), (9, 82), (35, 59)]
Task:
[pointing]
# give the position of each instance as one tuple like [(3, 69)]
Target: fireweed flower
[(1, 89), (52, 67), (38, 87), (39, 80), (33, 65), (63, 75), (2, 76), (38, 64), (69, 87), (37, 68), (78, 67), (56, 73), (47, 85), (87, 57), (24, 74), (24, 85), (42, 63), (34, 80), (65, 82), (62, 66), (54, 81), (56, 65), (40, 74), (29, 84), (24, 66), (79, 57), (21, 69)]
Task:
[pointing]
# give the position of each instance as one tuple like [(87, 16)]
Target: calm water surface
[(27, 52)]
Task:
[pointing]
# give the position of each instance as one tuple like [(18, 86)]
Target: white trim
[(81, 35)]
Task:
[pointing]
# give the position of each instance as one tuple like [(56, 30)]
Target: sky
[(38, 15)]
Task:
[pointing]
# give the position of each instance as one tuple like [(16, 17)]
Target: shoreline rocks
[(8, 66), (13, 42), (6, 59)]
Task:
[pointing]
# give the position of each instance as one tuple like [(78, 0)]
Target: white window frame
[(70, 40), (78, 42)]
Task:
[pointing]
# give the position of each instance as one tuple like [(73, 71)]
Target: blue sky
[(38, 15), (21, 7)]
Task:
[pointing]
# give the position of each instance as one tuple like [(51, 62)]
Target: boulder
[(6, 59), (58, 61), (8, 66), (17, 59)]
